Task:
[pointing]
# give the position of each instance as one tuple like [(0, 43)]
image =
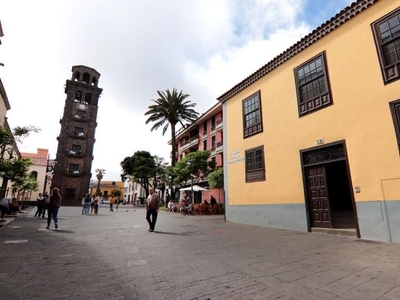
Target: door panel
[(320, 214)]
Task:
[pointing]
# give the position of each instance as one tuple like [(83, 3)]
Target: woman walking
[(53, 206), (86, 204)]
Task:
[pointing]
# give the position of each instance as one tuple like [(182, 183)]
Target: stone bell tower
[(77, 135)]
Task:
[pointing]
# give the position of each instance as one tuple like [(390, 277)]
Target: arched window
[(77, 76), (78, 96), (94, 81), (34, 175), (86, 78), (88, 97)]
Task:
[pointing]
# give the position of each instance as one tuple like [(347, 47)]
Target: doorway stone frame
[(345, 158)]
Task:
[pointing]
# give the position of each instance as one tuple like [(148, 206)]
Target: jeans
[(152, 221), (44, 211), (86, 208), (52, 212), (39, 210)]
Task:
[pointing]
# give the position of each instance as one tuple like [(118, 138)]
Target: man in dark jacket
[(152, 206)]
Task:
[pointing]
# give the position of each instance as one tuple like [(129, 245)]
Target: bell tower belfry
[(77, 135)]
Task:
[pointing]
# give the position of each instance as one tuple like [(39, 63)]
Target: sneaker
[(47, 227), (56, 225)]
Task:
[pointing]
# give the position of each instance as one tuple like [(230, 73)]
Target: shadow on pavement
[(176, 233), (62, 231)]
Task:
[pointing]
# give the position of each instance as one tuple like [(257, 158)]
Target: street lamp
[(49, 169), (191, 186), (189, 163)]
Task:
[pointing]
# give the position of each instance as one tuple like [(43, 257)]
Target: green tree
[(142, 167), (116, 193), (99, 176), (193, 165), (171, 109), (25, 185), (13, 168), (19, 133), (216, 180)]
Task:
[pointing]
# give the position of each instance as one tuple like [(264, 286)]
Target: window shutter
[(395, 110)]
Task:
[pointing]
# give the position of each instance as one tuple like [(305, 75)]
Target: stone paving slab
[(113, 256)]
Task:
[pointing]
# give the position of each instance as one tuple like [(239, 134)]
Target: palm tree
[(170, 109), (99, 175)]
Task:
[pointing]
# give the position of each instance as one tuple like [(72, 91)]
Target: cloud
[(201, 47)]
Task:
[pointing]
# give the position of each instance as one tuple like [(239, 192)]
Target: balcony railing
[(74, 172), (77, 135), (193, 141), (219, 125), (220, 147), (204, 135), (78, 153), (81, 118)]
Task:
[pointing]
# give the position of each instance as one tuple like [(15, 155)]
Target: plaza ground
[(113, 256)]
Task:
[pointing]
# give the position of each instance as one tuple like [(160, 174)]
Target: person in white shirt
[(170, 205)]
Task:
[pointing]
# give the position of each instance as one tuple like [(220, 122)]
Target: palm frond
[(170, 108)]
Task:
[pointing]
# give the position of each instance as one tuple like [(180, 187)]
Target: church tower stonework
[(72, 172)]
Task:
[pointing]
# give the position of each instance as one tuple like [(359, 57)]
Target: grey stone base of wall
[(379, 220), (282, 216)]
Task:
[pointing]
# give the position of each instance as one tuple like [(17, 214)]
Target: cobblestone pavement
[(113, 256)]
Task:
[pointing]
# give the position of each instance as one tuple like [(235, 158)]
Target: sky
[(201, 47)]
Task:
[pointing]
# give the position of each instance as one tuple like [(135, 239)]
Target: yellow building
[(107, 188), (320, 138)]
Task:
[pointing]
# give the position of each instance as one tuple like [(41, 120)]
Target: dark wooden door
[(320, 213)]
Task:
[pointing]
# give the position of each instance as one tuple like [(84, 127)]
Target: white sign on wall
[(235, 157)]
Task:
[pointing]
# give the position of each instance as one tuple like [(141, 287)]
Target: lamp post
[(49, 169), (189, 163)]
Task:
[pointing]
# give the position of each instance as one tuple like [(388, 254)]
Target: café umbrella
[(196, 188)]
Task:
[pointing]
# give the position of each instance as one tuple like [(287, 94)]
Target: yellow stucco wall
[(360, 115), (106, 187)]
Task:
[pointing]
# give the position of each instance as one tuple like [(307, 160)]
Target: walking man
[(40, 205), (45, 202), (152, 206)]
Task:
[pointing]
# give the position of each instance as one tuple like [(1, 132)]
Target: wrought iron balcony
[(74, 153), (76, 173), (193, 141), (220, 147), (77, 135), (219, 125)]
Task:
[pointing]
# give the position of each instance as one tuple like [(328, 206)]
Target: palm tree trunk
[(173, 144), (173, 157)]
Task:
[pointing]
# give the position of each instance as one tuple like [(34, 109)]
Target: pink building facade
[(204, 134)]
